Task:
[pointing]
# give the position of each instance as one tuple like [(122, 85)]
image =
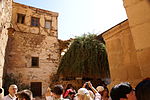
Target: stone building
[(32, 53), (128, 44), (29, 47)]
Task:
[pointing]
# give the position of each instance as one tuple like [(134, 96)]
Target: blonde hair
[(85, 97), (48, 92)]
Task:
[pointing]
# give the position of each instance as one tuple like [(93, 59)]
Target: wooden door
[(36, 88)]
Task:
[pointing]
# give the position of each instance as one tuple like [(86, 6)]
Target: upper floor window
[(47, 24), (20, 18), (35, 21), (35, 62)]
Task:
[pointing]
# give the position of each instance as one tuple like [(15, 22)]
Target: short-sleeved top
[(9, 97)]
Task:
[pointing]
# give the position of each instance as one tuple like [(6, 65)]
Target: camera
[(86, 86), (86, 83)]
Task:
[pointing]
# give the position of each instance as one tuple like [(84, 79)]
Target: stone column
[(138, 12), (5, 21)]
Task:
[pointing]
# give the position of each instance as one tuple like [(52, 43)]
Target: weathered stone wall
[(38, 13), (5, 19), (138, 12), (28, 42), (122, 55)]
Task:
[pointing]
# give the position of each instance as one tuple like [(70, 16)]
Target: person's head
[(83, 94), (105, 92), (1, 93), (1, 90), (69, 86), (24, 95), (13, 89), (57, 91), (122, 91), (100, 89), (142, 90)]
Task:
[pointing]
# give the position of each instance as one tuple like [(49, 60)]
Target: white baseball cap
[(100, 88), (83, 91)]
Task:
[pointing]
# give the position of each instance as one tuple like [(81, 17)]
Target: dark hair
[(105, 89), (26, 94), (69, 86), (58, 89), (120, 91), (72, 93), (142, 90), (1, 90)]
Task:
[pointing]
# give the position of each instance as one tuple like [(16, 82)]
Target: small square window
[(35, 21), (47, 24), (20, 18), (35, 62)]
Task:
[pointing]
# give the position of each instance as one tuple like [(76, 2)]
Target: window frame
[(33, 61), (35, 23), (49, 24), (22, 19)]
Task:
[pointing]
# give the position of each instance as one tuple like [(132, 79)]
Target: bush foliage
[(86, 57)]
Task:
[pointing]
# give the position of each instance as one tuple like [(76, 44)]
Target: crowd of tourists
[(122, 91)]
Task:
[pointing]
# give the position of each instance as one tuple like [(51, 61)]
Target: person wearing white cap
[(100, 89), (97, 94), (83, 94), (85, 91)]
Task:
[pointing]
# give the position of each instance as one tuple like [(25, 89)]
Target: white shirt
[(52, 98), (49, 98), (97, 96), (9, 97)]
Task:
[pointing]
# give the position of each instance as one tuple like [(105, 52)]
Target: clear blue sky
[(77, 17)]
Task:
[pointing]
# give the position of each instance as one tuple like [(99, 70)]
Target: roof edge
[(38, 9)]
